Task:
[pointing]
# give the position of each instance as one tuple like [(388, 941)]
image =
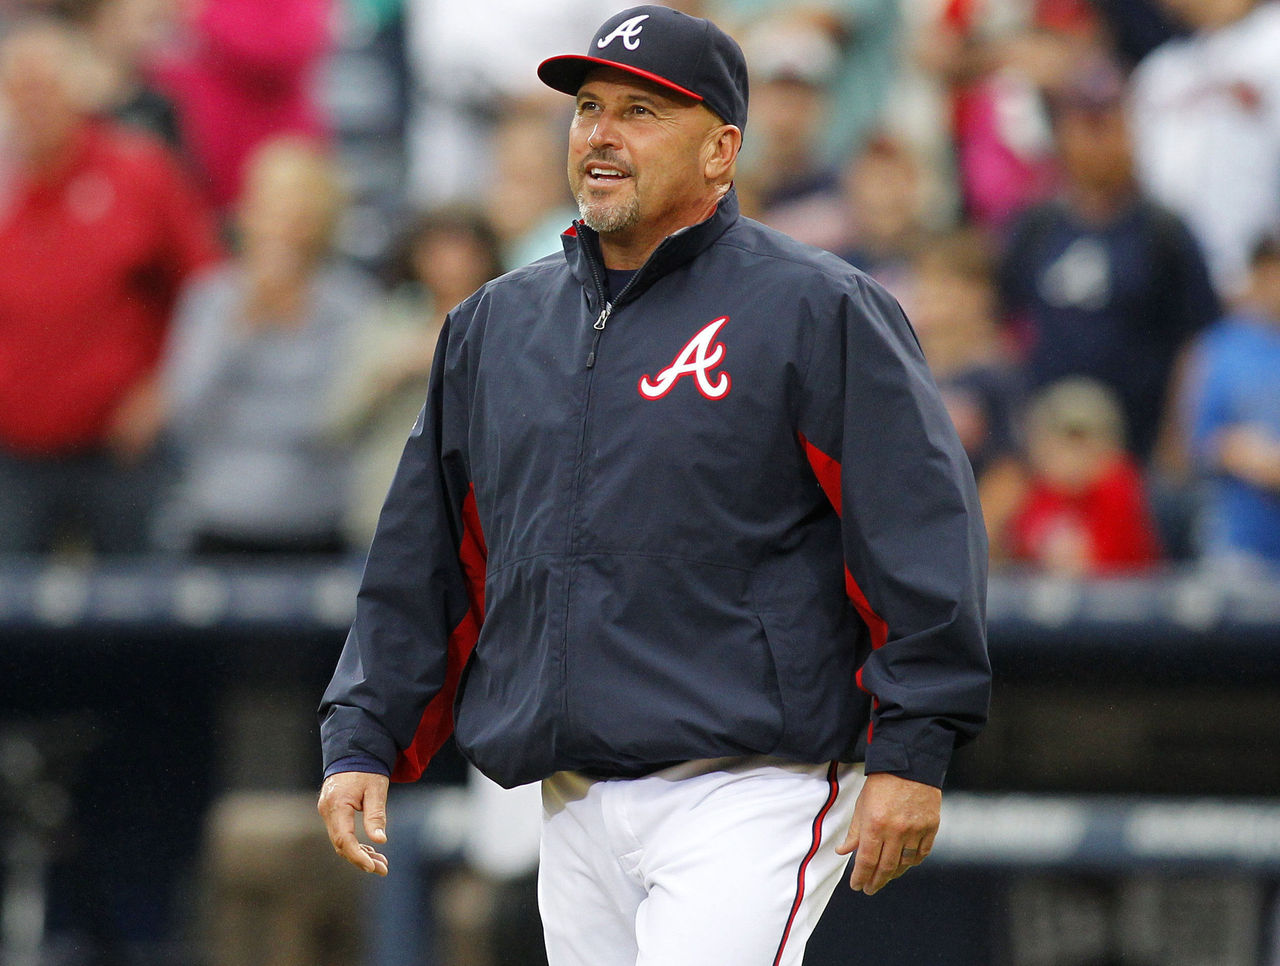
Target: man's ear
[(722, 146)]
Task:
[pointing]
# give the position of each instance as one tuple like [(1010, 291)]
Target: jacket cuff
[(920, 764), (361, 763), (347, 732)]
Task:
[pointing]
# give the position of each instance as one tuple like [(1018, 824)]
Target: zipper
[(599, 327), (580, 463), (605, 314), (608, 306), (607, 311)]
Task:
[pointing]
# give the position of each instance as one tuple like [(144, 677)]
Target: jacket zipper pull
[(599, 327), (604, 316)]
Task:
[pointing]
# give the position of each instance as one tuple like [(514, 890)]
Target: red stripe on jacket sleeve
[(828, 472), (436, 724)]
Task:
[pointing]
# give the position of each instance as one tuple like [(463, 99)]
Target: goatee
[(605, 217)]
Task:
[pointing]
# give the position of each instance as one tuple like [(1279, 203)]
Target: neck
[(628, 250), (1101, 203)]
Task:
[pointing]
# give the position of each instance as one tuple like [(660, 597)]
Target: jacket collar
[(582, 250)]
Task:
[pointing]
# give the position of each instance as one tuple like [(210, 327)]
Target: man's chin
[(608, 218)]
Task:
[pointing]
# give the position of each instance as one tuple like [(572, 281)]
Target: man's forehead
[(610, 80)]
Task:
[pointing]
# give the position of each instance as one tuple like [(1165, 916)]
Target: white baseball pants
[(724, 862)]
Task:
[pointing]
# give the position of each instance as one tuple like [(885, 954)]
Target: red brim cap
[(686, 55), (567, 72)]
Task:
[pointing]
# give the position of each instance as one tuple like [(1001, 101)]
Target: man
[(1107, 283), (693, 490), (98, 231), (1207, 129)]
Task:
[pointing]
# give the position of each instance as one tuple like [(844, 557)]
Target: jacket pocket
[(666, 660), (813, 637), (510, 696)]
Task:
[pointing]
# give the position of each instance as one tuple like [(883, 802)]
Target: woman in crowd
[(258, 347), (446, 255)]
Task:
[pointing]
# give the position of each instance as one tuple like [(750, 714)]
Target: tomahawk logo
[(697, 359), (628, 30)]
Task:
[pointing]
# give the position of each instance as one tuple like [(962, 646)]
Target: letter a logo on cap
[(628, 30)]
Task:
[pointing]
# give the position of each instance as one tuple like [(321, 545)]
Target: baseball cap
[(686, 54)]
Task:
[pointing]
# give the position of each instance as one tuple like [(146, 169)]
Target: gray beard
[(610, 218)]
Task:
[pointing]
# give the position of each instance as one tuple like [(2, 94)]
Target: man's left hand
[(894, 824)]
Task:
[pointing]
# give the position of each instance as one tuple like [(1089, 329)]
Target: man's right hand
[(341, 796)]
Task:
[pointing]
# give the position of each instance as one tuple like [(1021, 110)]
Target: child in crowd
[(952, 303), (1085, 511), (258, 347), (1233, 405)]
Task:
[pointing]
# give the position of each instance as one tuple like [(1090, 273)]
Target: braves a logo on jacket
[(698, 357)]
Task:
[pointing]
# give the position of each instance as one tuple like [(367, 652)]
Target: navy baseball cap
[(686, 54)]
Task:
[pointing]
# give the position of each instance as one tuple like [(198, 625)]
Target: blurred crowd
[(211, 343), (230, 231)]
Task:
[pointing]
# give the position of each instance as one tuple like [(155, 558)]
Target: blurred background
[(229, 233)]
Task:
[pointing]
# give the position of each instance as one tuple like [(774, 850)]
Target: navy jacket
[(728, 515)]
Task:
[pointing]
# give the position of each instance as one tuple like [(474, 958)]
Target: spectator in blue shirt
[(1233, 407)]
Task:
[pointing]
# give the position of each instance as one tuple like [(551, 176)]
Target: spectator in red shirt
[(1085, 512), (98, 229)]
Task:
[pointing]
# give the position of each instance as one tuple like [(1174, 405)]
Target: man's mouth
[(606, 174)]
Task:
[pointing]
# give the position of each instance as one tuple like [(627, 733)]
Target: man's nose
[(604, 133)]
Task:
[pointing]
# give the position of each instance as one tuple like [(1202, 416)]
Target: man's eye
[(639, 109)]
